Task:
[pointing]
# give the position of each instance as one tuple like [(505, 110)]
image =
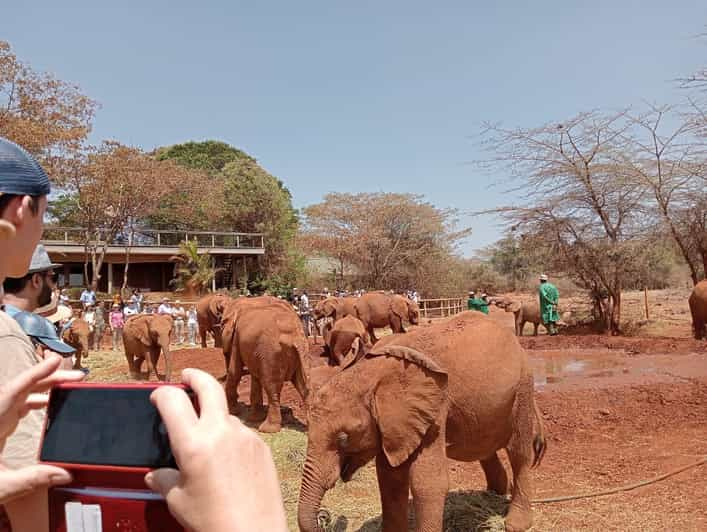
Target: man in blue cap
[(42, 333), (24, 187)]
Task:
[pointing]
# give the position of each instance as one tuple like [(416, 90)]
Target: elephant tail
[(539, 441), (302, 372)]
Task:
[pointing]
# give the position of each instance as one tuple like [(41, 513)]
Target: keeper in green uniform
[(478, 304), (549, 297)]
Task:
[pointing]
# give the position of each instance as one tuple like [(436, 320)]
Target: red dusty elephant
[(698, 309), (339, 338), (148, 333), (377, 310), (209, 313), (459, 389), (334, 307), (267, 337), (77, 335)]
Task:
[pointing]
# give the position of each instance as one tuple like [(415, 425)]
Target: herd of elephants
[(459, 388)]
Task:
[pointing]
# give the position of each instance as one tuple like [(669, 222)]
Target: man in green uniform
[(477, 303), (549, 297)]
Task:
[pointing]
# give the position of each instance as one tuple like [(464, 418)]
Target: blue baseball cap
[(20, 173), (42, 330)]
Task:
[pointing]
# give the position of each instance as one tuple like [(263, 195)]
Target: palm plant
[(194, 271)]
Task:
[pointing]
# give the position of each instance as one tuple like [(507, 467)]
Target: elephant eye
[(342, 439)]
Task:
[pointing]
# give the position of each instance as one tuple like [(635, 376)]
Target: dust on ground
[(616, 410)]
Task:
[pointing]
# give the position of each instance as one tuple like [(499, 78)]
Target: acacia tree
[(389, 240), (111, 189), (48, 117), (580, 202), (670, 162)]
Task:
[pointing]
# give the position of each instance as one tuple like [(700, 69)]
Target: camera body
[(108, 436)]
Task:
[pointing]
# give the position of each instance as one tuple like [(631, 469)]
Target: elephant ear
[(407, 401), (514, 306), (356, 352), (216, 307), (399, 308)]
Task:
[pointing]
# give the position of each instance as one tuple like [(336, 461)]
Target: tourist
[(193, 324), (549, 298), (165, 307), (129, 310), (64, 297), (137, 297), (33, 290), (116, 322), (24, 187), (88, 297), (99, 327), (178, 313)]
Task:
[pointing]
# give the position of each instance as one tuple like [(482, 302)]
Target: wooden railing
[(155, 238), (441, 308)]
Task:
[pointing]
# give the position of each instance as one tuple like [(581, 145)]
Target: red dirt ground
[(604, 429)]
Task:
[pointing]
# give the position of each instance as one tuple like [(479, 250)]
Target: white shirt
[(127, 311), (164, 308), (191, 317)]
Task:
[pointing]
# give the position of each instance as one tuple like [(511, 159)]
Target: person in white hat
[(549, 298)]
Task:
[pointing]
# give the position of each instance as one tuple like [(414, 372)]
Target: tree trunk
[(124, 287)]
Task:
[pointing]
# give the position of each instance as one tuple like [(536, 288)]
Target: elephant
[(524, 312), (209, 311), (339, 337), (77, 335), (270, 341), (233, 307), (459, 389), (148, 333), (378, 309), (698, 309), (334, 307)]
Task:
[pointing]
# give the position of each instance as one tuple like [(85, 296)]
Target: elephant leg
[(372, 334), (520, 453), (535, 328), (429, 480), (394, 486), (496, 478), (396, 323), (202, 333), (217, 339), (138, 366), (234, 371), (154, 357), (167, 364), (272, 423), (256, 400), (77, 359)]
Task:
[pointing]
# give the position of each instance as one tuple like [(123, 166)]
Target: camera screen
[(94, 426)]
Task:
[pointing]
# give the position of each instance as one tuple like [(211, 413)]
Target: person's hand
[(17, 398), (25, 392), (226, 479)]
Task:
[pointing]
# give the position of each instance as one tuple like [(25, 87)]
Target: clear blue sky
[(358, 96)]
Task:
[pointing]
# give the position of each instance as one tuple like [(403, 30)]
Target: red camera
[(108, 436)]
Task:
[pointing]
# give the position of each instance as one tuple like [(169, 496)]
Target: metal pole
[(645, 300)]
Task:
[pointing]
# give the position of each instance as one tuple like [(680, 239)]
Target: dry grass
[(355, 505)]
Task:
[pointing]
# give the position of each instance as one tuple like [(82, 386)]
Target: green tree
[(240, 196), (195, 271)]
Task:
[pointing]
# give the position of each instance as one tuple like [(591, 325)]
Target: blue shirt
[(12, 310), (88, 296)]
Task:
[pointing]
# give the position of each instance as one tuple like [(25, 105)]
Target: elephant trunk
[(310, 498)]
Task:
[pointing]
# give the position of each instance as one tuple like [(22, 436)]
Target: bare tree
[(580, 202), (670, 162)]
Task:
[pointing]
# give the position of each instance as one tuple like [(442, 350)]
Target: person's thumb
[(16, 483), (162, 480)]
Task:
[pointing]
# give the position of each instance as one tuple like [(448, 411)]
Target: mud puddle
[(553, 366)]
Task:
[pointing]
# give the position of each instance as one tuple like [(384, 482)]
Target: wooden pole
[(645, 300)]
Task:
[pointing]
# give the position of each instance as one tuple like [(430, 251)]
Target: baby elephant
[(524, 312), (339, 337)]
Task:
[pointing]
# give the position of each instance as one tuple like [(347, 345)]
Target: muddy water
[(551, 366)]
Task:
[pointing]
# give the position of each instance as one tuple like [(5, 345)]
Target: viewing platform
[(150, 252)]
